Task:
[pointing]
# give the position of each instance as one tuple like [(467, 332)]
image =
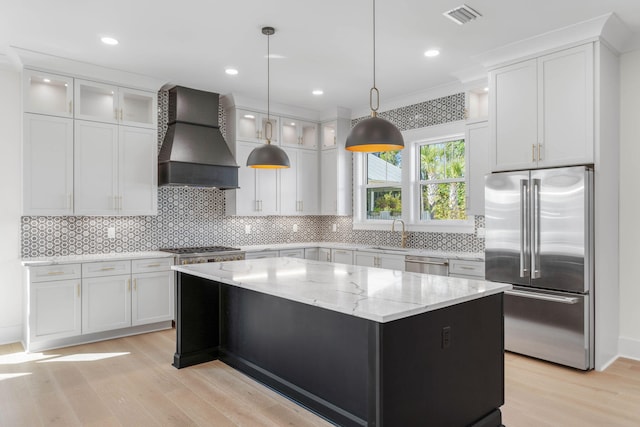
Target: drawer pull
[(55, 273), (107, 268), (463, 267), (153, 265)]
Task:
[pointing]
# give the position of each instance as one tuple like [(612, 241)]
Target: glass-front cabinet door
[(298, 133), (46, 93), (137, 108), (96, 101), (329, 135), (251, 126)]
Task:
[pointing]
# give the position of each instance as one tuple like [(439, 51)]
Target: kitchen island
[(360, 346)]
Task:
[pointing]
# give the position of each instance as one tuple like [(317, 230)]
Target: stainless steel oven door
[(553, 326)]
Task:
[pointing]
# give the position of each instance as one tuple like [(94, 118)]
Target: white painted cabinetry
[(46, 93), (250, 126), (335, 168), (48, 165), (324, 254), (54, 302), (258, 192), (542, 109), (292, 253), (299, 183), (342, 256), (477, 157), (75, 303), (298, 133), (312, 253), (261, 254), (380, 260)]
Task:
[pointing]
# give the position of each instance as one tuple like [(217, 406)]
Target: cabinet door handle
[(70, 106), (533, 152), (135, 284), (539, 152), (121, 114), (129, 285), (78, 288)]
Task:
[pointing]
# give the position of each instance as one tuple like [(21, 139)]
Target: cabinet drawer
[(474, 269), (151, 265), (292, 253), (45, 273), (105, 268)]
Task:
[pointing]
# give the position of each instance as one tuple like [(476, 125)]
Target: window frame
[(410, 185)]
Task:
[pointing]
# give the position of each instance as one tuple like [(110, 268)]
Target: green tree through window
[(442, 181)]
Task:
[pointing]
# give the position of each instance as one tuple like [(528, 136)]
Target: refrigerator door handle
[(524, 228), (535, 238), (543, 297)]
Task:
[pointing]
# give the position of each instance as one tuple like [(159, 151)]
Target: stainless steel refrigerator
[(539, 237)]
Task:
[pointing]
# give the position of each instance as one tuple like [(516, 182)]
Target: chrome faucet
[(404, 233)]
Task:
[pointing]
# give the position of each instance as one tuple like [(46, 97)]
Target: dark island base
[(440, 368)]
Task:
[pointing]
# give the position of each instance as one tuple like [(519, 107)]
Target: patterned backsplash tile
[(195, 216)]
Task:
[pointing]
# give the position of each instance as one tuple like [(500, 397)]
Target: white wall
[(11, 294), (629, 344)]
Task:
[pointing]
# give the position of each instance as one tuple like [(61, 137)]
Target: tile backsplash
[(195, 216)]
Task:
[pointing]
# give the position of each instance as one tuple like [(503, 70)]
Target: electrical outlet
[(111, 232), (480, 232), (247, 229), (295, 228), (334, 228), (446, 337)]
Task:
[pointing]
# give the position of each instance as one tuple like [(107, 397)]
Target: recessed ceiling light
[(46, 80), (249, 116), (292, 124), (318, 92), (109, 40), (231, 71), (431, 53), (486, 89)]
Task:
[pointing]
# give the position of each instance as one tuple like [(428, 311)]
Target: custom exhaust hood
[(194, 152)]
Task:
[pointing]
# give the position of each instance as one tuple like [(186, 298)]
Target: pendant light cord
[(268, 126), (374, 89)]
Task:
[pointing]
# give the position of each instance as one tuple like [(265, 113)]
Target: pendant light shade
[(374, 134), (268, 156)]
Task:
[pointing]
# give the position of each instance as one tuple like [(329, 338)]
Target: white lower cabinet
[(312, 253), (324, 254), (466, 269), (292, 253), (67, 302), (342, 256), (55, 309), (106, 303), (380, 260), (152, 297), (261, 254)]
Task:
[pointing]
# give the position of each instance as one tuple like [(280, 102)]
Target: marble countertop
[(371, 293), (113, 256), (472, 256)]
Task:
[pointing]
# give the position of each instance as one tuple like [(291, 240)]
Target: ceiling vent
[(462, 14)]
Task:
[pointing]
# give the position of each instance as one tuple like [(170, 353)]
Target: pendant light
[(374, 134), (268, 156)]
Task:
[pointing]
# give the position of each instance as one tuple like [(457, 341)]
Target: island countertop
[(376, 294)]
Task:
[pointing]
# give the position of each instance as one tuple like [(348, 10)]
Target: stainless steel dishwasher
[(426, 265)]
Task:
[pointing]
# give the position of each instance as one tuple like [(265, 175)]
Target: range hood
[(193, 152)]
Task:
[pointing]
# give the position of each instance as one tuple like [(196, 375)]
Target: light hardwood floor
[(130, 381)]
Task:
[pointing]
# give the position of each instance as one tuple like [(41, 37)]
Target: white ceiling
[(325, 44)]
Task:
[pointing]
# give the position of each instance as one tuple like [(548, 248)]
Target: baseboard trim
[(98, 336), (629, 348), (10, 334)]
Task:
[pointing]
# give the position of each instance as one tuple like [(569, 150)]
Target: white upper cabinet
[(477, 146), (112, 104), (46, 93), (96, 168), (541, 111), (258, 192), (329, 135), (251, 126), (48, 165), (297, 133), (138, 171), (299, 184)]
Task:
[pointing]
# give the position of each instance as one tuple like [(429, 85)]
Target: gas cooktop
[(199, 250)]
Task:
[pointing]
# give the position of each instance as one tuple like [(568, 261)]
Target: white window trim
[(410, 184)]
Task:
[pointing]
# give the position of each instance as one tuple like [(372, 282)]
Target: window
[(442, 180), (384, 185), (424, 184)]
